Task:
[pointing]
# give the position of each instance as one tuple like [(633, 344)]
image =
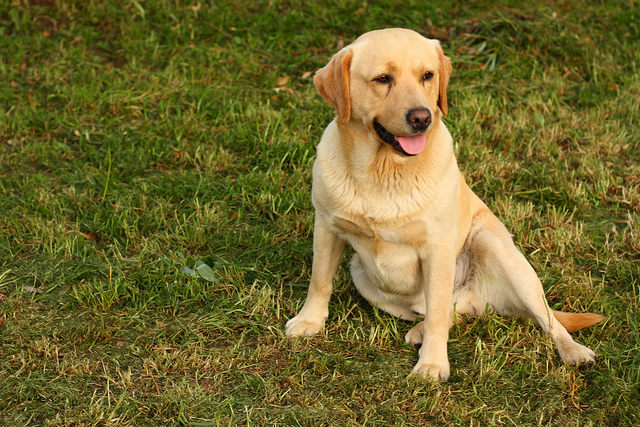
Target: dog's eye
[(383, 78), (427, 76)]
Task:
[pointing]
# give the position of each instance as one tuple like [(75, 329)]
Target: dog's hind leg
[(509, 284)]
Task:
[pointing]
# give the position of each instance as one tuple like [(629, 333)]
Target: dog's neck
[(371, 158)]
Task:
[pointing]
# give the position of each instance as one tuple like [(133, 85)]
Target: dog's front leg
[(327, 250), (438, 274)]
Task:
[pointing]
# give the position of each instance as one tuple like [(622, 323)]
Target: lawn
[(156, 221)]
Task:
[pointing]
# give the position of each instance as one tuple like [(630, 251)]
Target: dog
[(386, 181)]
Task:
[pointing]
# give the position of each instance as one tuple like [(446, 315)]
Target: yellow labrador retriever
[(386, 180)]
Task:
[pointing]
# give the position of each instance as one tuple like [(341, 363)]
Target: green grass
[(140, 140)]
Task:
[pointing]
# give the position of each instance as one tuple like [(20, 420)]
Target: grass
[(156, 221)]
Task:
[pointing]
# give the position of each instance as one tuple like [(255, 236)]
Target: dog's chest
[(374, 232)]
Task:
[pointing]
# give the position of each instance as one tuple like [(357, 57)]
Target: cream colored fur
[(426, 245)]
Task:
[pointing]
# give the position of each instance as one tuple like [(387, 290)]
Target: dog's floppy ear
[(333, 83), (444, 73)]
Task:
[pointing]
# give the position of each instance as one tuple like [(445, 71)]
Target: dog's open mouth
[(407, 145)]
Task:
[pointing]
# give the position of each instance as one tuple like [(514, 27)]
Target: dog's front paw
[(301, 326), (431, 370), (575, 354), (433, 361)]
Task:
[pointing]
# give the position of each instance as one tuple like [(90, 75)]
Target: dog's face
[(391, 81)]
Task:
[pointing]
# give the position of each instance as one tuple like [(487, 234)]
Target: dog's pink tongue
[(412, 144)]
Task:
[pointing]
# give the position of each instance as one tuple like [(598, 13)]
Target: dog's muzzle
[(406, 145)]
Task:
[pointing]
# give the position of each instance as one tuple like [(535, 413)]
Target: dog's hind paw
[(415, 335), (576, 354)]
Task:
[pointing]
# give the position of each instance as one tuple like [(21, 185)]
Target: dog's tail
[(575, 321)]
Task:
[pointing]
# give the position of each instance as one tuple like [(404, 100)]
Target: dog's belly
[(388, 256), (393, 268)]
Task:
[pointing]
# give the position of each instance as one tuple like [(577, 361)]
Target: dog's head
[(392, 81)]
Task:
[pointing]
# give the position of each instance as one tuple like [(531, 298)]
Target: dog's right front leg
[(327, 250)]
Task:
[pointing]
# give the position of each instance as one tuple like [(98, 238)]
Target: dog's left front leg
[(438, 272)]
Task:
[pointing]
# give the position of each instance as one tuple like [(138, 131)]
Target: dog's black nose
[(419, 118)]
